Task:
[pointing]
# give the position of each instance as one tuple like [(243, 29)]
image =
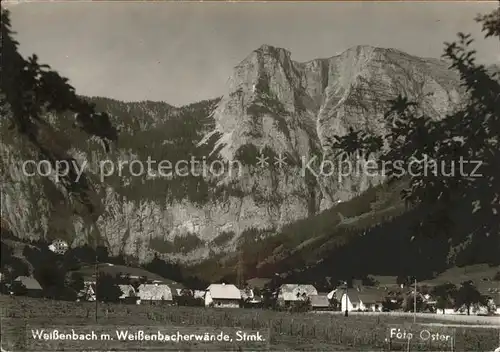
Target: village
[(298, 297), (263, 293)]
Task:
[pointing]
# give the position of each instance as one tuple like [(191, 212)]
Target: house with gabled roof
[(128, 293), (334, 294), (249, 297), (199, 294), (88, 291), (363, 300), (289, 293), (31, 286), (222, 296), (320, 302), (154, 293)]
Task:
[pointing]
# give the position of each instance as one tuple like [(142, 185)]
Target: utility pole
[(96, 273), (346, 313), (415, 303), (240, 270)]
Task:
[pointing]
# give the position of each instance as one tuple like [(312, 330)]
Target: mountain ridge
[(272, 104)]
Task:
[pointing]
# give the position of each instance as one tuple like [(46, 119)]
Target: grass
[(113, 270), (480, 274), (282, 331)]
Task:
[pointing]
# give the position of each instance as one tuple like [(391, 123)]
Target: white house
[(289, 293), (369, 300), (248, 295), (199, 294), (128, 292), (33, 287), (333, 294), (88, 291), (59, 247), (222, 296), (154, 293)]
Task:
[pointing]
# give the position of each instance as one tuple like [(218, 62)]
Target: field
[(281, 331)]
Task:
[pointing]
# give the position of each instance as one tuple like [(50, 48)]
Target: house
[(223, 296), (350, 301), (248, 296), (492, 296), (363, 300), (426, 301), (289, 293), (320, 303), (154, 293), (430, 302), (188, 297), (372, 299), (88, 291), (128, 293), (333, 294), (31, 285), (199, 294), (176, 288), (59, 246)]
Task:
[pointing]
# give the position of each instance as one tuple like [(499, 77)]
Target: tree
[(334, 303), (75, 281), (80, 255), (187, 298), (29, 92), (48, 270), (170, 271), (302, 305), (18, 288), (470, 133), (102, 254), (393, 302), (107, 288), (14, 267), (369, 281), (195, 283), (270, 293), (6, 254), (496, 277), (403, 280), (409, 302), (468, 295), (444, 294)]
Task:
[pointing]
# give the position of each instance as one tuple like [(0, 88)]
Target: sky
[(183, 52)]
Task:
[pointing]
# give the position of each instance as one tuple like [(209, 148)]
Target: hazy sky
[(183, 52)]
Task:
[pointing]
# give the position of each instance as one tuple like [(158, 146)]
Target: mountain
[(273, 106)]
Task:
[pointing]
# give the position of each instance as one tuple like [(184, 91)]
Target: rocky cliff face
[(273, 106), (296, 108)]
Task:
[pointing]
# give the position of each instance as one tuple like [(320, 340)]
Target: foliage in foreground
[(459, 140)]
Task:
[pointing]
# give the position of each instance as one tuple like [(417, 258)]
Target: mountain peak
[(269, 49), (362, 47)]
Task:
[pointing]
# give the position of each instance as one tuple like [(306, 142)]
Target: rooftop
[(224, 291)]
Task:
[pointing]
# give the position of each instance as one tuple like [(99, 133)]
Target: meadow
[(280, 330)]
